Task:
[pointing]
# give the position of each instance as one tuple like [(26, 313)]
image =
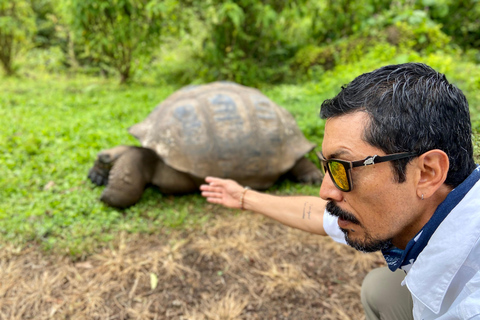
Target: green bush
[(406, 31), (460, 19), (117, 34), (332, 20), (17, 25), (247, 41), (46, 20)]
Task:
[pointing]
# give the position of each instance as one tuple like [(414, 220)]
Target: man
[(400, 178)]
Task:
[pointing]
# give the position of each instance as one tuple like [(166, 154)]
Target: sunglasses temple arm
[(393, 157)]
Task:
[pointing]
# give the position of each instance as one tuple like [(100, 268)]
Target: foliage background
[(61, 101)]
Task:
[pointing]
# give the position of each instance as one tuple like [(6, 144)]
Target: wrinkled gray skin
[(219, 129), (127, 170)]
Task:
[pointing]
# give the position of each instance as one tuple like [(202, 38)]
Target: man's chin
[(367, 244)]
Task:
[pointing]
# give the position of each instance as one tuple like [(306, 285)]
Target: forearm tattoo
[(307, 209)]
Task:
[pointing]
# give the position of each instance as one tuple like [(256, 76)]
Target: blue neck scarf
[(404, 259)]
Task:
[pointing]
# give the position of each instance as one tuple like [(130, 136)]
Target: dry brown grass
[(223, 307), (283, 278), (243, 267)]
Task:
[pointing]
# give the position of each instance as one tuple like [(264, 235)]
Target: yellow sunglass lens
[(339, 174)]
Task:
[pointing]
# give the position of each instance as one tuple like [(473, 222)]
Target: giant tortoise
[(219, 129)]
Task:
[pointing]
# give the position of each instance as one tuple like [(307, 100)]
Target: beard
[(368, 243)]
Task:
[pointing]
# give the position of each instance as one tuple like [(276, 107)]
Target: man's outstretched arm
[(301, 212)]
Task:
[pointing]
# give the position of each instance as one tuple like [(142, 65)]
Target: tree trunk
[(124, 74), (6, 43), (125, 66)]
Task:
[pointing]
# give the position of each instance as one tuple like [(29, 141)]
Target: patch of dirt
[(236, 267)]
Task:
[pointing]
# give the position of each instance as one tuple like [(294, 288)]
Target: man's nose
[(328, 190)]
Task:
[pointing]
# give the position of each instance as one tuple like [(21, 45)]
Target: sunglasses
[(339, 170)]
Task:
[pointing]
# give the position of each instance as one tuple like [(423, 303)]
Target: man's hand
[(221, 191)]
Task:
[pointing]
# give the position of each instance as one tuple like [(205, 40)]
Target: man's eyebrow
[(335, 155)]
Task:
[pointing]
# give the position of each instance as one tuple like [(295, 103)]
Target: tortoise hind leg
[(305, 171), (128, 177), (98, 174)]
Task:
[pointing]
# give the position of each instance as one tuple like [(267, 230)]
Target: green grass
[(51, 128)]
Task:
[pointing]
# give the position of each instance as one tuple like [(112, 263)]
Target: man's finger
[(204, 187), (211, 180), (211, 189), (208, 194), (214, 200)]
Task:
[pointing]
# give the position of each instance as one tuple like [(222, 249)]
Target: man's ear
[(433, 165)]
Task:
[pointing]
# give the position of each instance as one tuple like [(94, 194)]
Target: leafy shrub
[(420, 34), (16, 27), (43, 60), (459, 19), (406, 30), (45, 19), (332, 20), (326, 57), (117, 33), (245, 40)]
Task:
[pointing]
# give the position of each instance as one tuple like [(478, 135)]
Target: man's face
[(378, 211)]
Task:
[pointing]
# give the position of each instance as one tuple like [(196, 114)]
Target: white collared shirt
[(445, 279)]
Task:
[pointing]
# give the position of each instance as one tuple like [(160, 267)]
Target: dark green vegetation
[(64, 103), (248, 41)]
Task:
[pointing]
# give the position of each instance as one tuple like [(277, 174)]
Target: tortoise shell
[(225, 130)]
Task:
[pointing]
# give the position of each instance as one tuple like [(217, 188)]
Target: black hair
[(412, 108)]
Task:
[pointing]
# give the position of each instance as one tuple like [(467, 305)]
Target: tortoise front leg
[(98, 174), (128, 177)]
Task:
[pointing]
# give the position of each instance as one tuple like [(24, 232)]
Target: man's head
[(407, 108), (411, 108)]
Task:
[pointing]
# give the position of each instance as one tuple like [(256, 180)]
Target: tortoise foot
[(313, 177), (98, 175), (306, 172), (100, 171)]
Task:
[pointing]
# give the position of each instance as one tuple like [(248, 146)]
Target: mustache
[(336, 211)]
